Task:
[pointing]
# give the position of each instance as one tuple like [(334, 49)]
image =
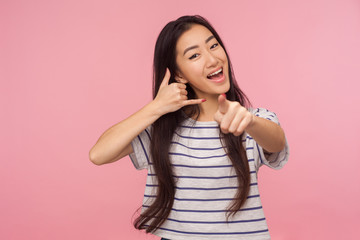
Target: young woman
[(199, 140)]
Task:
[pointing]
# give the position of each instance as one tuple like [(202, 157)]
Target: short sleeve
[(140, 157), (272, 160)]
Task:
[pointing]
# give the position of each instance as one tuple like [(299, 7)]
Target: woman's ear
[(180, 79)]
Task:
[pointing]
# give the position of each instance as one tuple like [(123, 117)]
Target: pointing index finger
[(223, 103)]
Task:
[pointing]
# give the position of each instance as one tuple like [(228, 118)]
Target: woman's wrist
[(267, 133), (155, 109), (252, 122)]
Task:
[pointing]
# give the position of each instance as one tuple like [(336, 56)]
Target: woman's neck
[(208, 109)]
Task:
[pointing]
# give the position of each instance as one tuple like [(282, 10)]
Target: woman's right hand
[(172, 97)]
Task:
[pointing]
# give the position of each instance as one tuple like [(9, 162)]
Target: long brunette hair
[(163, 129)]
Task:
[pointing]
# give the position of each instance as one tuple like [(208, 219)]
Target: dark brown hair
[(163, 129)]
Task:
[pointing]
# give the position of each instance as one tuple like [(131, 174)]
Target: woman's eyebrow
[(196, 46)]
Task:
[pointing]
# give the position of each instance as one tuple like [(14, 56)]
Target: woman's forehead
[(196, 35)]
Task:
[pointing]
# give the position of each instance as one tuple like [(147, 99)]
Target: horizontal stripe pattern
[(213, 233), (194, 148), (215, 222), (200, 189), (210, 211), (206, 183), (202, 200)]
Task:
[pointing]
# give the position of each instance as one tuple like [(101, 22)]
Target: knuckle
[(232, 129), (240, 129), (224, 128), (234, 108)]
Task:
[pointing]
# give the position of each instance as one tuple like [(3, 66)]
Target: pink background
[(71, 69)]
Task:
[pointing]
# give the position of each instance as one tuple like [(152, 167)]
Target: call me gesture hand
[(232, 117), (172, 97)]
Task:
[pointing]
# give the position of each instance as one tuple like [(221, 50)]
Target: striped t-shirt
[(206, 183)]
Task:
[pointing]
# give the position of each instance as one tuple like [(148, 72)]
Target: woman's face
[(202, 62)]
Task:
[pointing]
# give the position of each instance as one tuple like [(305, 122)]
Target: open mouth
[(216, 75)]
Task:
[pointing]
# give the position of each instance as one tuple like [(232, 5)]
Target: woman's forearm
[(115, 143), (267, 134)]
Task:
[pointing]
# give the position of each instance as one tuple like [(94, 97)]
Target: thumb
[(223, 103), (166, 78)]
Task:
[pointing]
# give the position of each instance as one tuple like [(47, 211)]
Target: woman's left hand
[(232, 117)]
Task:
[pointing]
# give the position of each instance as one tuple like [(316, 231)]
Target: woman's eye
[(194, 56), (214, 45)]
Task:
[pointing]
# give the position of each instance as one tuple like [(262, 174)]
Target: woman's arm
[(115, 143), (234, 118), (267, 134)]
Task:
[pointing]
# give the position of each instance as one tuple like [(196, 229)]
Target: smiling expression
[(202, 62)]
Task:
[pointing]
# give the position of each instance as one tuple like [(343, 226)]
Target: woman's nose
[(211, 60)]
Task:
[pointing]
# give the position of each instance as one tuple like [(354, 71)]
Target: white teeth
[(218, 71)]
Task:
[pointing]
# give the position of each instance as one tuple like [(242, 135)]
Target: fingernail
[(203, 100), (224, 95)]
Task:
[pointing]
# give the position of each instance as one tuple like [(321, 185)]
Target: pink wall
[(71, 69)]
